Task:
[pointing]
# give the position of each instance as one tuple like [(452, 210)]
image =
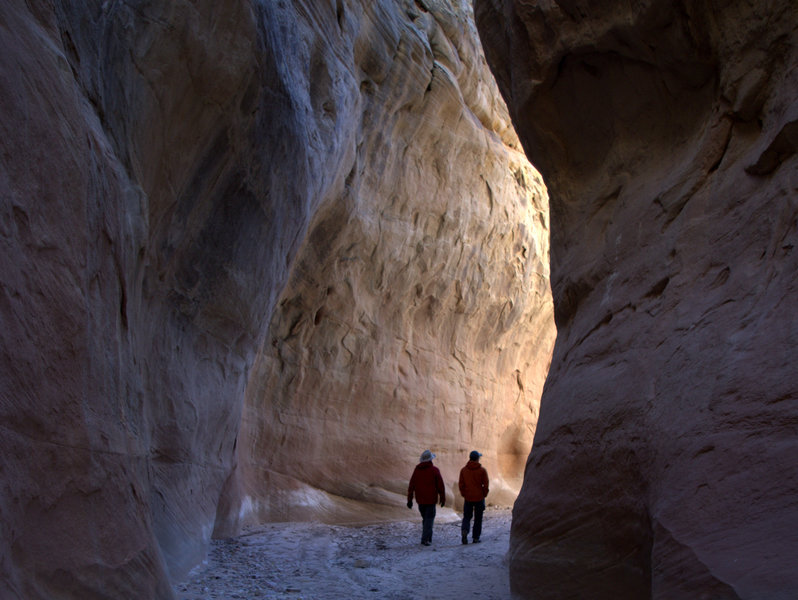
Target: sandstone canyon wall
[(256, 257), (418, 313), (664, 463)]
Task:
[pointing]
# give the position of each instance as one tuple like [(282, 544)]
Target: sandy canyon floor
[(379, 561)]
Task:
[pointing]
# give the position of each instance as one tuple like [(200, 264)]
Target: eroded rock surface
[(256, 257), (664, 462), (419, 305)]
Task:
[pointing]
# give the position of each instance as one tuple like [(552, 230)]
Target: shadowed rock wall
[(319, 207), (664, 463)]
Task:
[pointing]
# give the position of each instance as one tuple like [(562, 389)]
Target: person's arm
[(410, 489), (461, 483), (485, 481), (441, 488)]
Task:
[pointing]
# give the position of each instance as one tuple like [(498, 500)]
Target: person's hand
[(409, 504), (442, 503)]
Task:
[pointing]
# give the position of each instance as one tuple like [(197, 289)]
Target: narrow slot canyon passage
[(258, 256)]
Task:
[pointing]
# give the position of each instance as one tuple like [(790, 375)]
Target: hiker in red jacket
[(427, 484), (473, 486)]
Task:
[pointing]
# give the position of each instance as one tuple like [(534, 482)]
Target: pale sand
[(383, 561)]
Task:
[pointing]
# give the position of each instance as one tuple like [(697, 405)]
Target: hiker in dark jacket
[(473, 486), (427, 484)]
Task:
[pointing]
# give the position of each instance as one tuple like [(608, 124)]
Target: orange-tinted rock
[(315, 215), (418, 312), (664, 463)]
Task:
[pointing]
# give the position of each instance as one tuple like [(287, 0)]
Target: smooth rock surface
[(256, 257), (664, 463)]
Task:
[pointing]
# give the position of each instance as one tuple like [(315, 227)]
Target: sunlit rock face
[(664, 463), (418, 313), (256, 258)]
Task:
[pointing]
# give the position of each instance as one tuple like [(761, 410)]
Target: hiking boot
[(475, 541), (426, 543), (465, 539)]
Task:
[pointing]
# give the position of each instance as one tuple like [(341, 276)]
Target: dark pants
[(476, 509), (427, 518)]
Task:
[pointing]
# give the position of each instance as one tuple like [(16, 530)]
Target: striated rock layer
[(665, 462), (418, 313), (256, 257)]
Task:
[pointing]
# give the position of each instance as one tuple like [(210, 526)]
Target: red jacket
[(427, 484), (473, 482)]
